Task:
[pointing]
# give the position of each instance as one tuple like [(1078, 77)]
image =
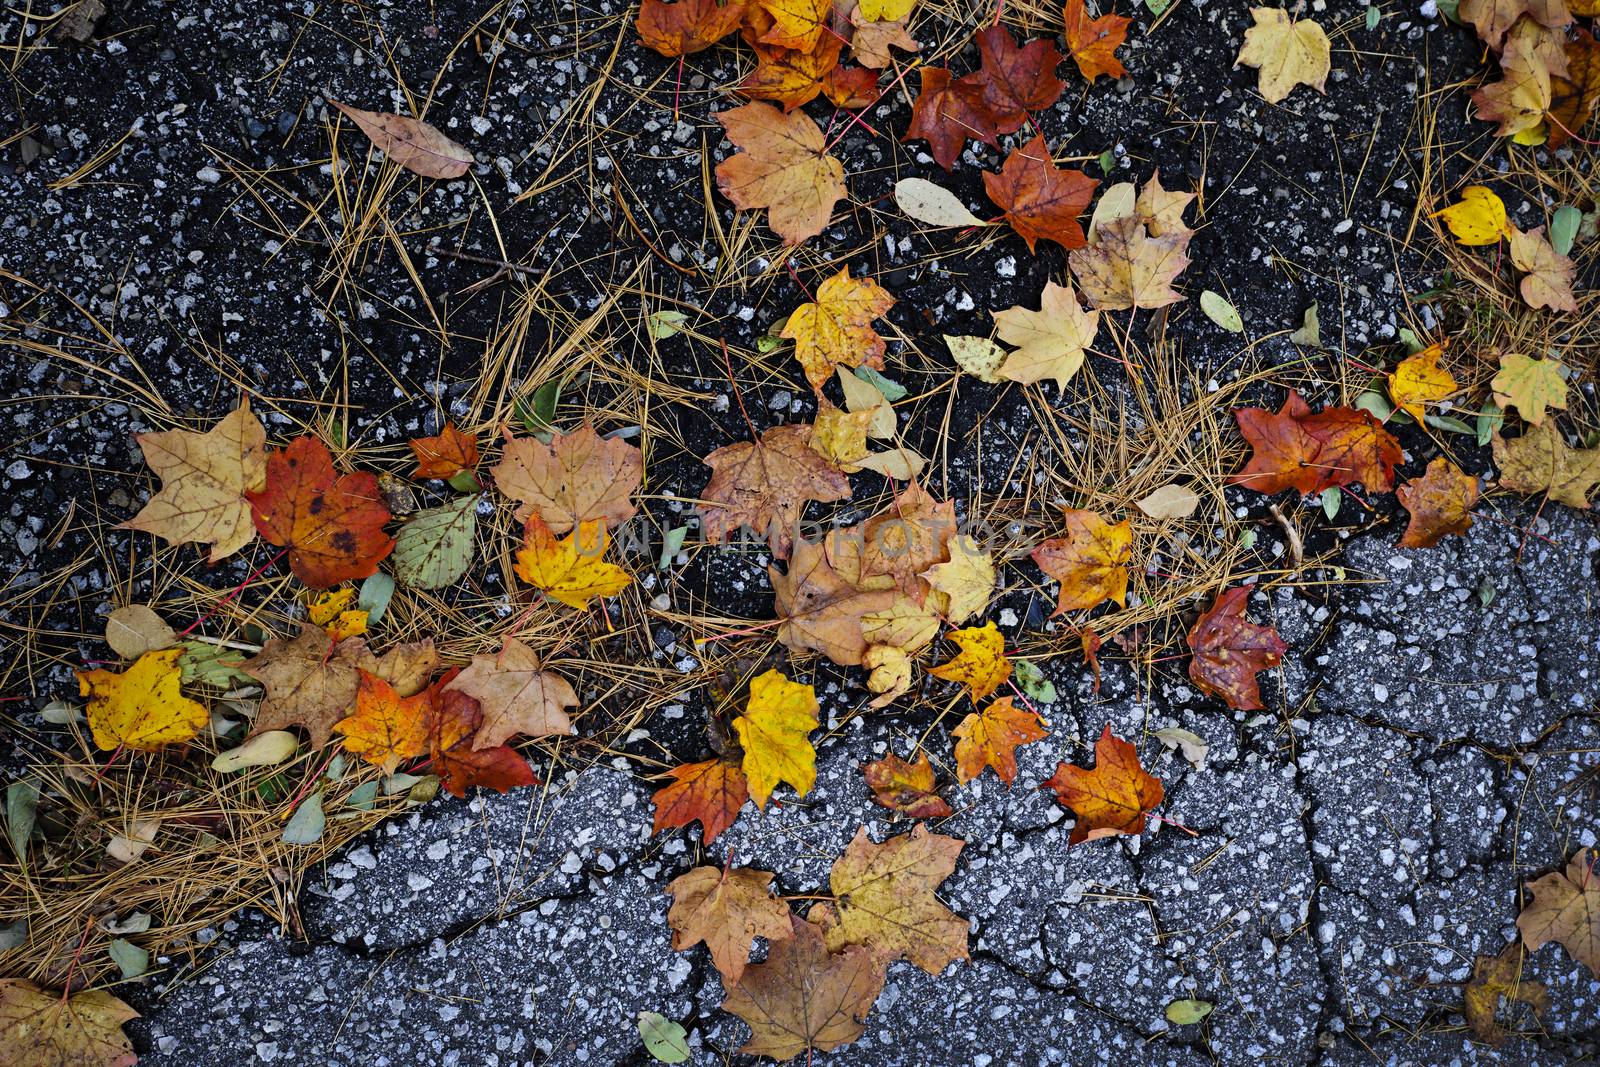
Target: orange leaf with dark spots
[(1016, 80), (331, 524), (711, 792), (687, 26), (947, 114), (1113, 798), (1229, 650), (446, 455), (1041, 200), (906, 787), (1092, 43), (1440, 503), (455, 718), (991, 740), (1296, 449)]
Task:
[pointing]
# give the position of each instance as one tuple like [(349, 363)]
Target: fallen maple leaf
[(851, 87), (1541, 461), (880, 10), (1040, 199), (1493, 19), (577, 477), (1496, 980), (803, 997), (1419, 380), (142, 708), (947, 113), (792, 77), (1286, 52), (407, 667), (885, 899), (516, 695), (45, 1029), (1478, 218), (871, 41), (820, 610), (1229, 650), (1113, 798), (309, 682), (1548, 275), (991, 740), (1440, 503), (411, 143), (1051, 341), (783, 167), (836, 330), (981, 665), (1125, 267), (688, 26), (1091, 562), (773, 732), (385, 728), (1162, 209), (453, 719), (1522, 97), (204, 479), (331, 524), (796, 23), (900, 542), (960, 588), (1532, 386), (727, 909), (711, 792), (765, 485), (1573, 95), (1092, 42), (445, 455), (1015, 80), (1566, 908), (570, 569), (1295, 449), (906, 787), (840, 437)]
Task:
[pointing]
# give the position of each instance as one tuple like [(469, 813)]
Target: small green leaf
[(1247, 539), (1449, 424), (1108, 159), (1187, 1012), (1450, 9), (664, 324), (375, 594), (362, 797), (1031, 680), (425, 790), (538, 414), (663, 1038), (671, 545), (1219, 311), (305, 826), (434, 549), (1373, 15), (129, 958), (1310, 331), (464, 482), (1489, 420), (1331, 498), (215, 665), (22, 807), (1413, 343), (891, 390), (1157, 6), (1376, 404), (767, 343), (1486, 591), (1564, 228)]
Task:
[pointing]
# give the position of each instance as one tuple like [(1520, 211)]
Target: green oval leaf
[(1187, 1012), (1221, 312), (434, 549), (663, 1038), (305, 826)]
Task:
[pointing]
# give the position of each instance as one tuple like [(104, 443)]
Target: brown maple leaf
[(1125, 267), (906, 787), (1498, 980), (991, 740), (309, 682), (727, 909), (804, 997), (1493, 19), (578, 477), (1440, 503), (1573, 95), (1113, 798), (1566, 908), (711, 793), (1040, 199), (821, 610), (886, 899), (1229, 650), (870, 42), (516, 695), (784, 167), (1295, 449), (765, 485)]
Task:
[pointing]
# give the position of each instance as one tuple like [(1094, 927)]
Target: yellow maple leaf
[(885, 10), (332, 612), (981, 665), (570, 569), (836, 329), (1419, 379), (1530, 385), (142, 708), (840, 437), (773, 731), (204, 478), (1051, 341), (1286, 52), (783, 166), (961, 587), (1478, 218)]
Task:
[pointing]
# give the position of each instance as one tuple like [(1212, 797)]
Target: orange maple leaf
[(687, 26), (1229, 650), (386, 729), (981, 665), (991, 740), (783, 166), (1092, 43), (906, 787), (1040, 199), (765, 485), (851, 87), (1091, 562), (331, 524), (796, 23), (1113, 798), (711, 792), (789, 76), (1440, 503), (446, 455), (1296, 449)]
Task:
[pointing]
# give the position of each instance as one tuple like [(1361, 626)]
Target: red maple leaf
[(712, 792), (947, 114), (1296, 449), (454, 719), (1229, 650), (1016, 80), (331, 524), (1040, 199)]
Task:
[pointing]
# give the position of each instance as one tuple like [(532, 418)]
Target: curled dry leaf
[(1229, 650), (783, 166), (1113, 797), (1440, 503), (822, 611), (1091, 562), (411, 143), (711, 792), (204, 480), (765, 484), (991, 739), (577, 477), (727, 909), (774, 732), (142, 708), (906, 787)]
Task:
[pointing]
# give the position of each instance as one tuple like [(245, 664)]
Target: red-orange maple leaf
[(851, 87), (906, 787), (446, 455), (455, 718), (331, 524), (991, 740), (1110, 799), (1040, 199), (1092, 43), (687, 26), (1229, 650), (1296, 449), (948, 113), (1016, 80), (712, 792)]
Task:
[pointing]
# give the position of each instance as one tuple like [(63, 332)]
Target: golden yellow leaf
[(836, 330), (1541, 461), (142, 708), (773, 731), (885, 10), (1418, 380), (887, 899), (961, 587), (1091, 562), (840, 437), (1286, 52), (1478, 218), (570, 569), (1522, 96), (1051, 341), (39, 1028), (981, 665)]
